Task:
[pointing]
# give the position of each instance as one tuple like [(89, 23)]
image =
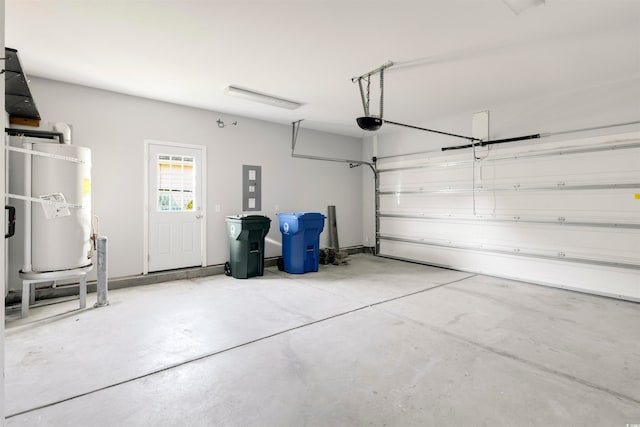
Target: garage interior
[(380, 342), (487, 201)]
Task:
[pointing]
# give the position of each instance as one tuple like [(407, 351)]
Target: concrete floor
[(374, 343)]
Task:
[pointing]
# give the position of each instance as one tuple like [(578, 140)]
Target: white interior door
[(175, 206)]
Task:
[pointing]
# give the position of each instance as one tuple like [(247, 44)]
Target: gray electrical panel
[(251, 188)]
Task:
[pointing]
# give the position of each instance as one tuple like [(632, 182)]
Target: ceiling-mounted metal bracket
[(368, 121), (371, 122), (295, 128), (370, 73), (294, 134)]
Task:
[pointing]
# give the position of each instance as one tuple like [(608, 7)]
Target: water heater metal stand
[(29, 278)]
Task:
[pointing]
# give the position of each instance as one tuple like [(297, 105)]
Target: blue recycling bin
[(301, 240)]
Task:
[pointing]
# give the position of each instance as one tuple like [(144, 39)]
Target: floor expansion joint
[(215, 353)]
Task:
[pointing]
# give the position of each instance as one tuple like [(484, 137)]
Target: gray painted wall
[(114, 127), (613, 101)]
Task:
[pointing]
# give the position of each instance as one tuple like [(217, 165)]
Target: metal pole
[(103, 285), (27, 208), (537, 136), (372, 165), (7, 142), (365, 105), (333, 229), (376, 178), (330, 159), (294, 138), (295, 126), (495, 141), (591, 128), (431, 130)]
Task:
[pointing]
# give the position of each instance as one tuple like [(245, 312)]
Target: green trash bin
[(246, 244)]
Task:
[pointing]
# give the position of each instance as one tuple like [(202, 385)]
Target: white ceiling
[(453, 56)]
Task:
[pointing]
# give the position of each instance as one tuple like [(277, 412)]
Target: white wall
[(2, 247), (609, 102), (114, 127)]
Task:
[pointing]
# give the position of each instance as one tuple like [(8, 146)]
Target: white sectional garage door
[(565, 214)]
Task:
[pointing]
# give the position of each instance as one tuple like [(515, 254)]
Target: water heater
[(61, 225)]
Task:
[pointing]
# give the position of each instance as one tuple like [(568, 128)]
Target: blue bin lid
[(292, 223), (301, 215)]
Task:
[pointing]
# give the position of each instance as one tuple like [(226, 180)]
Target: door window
[(176, 183)]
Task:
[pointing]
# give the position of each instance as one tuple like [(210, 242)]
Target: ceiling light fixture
[(252, 95)]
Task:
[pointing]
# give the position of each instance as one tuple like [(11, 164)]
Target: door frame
[(203, 191)]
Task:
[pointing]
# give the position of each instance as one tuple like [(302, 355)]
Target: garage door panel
[(613, 205), (609, 281), (573, 202), (620, 245)]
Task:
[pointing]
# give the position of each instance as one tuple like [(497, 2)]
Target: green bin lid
[(248, 218)]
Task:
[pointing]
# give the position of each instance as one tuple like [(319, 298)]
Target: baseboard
[(60, 291)]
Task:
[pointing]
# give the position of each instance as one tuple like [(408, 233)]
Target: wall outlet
[(217, 208)]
